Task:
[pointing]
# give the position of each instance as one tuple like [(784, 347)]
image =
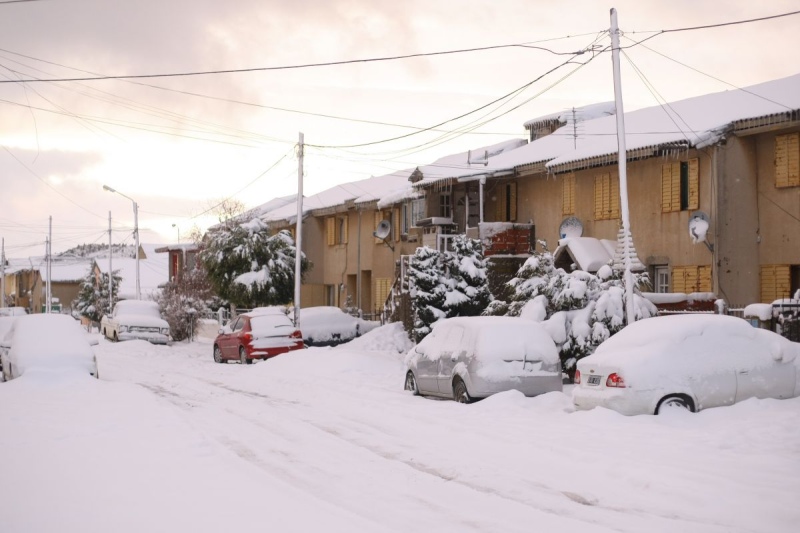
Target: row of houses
[(730, 159), (25, 279)]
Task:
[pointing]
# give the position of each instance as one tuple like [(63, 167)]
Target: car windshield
[(138, 308)]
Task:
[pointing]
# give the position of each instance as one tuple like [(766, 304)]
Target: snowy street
[(326, 439)]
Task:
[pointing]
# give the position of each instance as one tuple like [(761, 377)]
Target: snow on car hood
[(49, 342)]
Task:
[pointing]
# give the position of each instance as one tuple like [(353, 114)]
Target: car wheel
[(116, 338), (460, 393), (217, 354), (680, 401), (411, 383), (243, 356)]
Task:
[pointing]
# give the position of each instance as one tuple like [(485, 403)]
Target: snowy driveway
[(326, 439)]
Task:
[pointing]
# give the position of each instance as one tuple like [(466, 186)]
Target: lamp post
[(135, 235), (179, 232)]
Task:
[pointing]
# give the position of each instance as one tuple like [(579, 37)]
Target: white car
[(467, 358), (46, 342), (135, 319), (689, 361), (13, 311), (330, 326)]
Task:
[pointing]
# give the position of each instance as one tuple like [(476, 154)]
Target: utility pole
[(630, 309), (298, 231), (110, 270), (3, 273), (48, 268)]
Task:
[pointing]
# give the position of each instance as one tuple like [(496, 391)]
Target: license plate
[(594, 380)]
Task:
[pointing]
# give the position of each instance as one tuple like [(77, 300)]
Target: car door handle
[(744, 371)]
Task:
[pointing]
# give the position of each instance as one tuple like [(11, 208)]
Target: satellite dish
[(570, 228), (698, 226), (383, 229)]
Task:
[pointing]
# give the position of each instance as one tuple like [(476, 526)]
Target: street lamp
[(179, 232), (135, 234)]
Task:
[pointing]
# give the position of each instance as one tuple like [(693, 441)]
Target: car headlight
[(551, 367), (123, 329), (165, 331)]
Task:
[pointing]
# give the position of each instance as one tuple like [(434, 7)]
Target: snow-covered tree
[(183, 302), (468, 291), (427, 289), (92, 301), (247, 266), (579, 310)]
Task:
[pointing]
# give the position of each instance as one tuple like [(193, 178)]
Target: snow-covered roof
[(578, 114), (694, 122), (458, 165), (153, 271), (70, 270)]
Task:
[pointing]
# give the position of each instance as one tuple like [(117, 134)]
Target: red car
[(257, 335)]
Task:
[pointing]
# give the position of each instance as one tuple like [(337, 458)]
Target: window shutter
[(666, 189), (500, 214), (380, 292), (568, 195), (704, 278), (787, 160), (396, 225), (613, 201), (598, 197), (512, 202), (330, 230), (694, 183), (345, 233), (775, 282), (679, 279)]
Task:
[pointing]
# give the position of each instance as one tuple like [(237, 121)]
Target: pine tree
[(427, 290), (468, 290), (93, 301)]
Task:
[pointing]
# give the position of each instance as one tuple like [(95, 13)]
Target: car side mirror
[(5, 344), (777, 356)]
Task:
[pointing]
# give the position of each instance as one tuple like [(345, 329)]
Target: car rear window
[(266, 325), (514, 342)]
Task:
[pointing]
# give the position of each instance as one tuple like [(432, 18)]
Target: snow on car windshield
[(515, 340), (270, 325), (63, 345), (138, 307)]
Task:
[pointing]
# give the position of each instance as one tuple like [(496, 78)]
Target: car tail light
[(296, 334), (247, 337), (577, 377), (615, 380)]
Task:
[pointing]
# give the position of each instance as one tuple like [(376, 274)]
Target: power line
[(300, 66)]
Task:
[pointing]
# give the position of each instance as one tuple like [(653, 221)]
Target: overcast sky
[(180, 144)]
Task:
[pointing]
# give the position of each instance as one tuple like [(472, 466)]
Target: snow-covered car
[(13, 311), (135, 319), (330, 326), (46, 342), (259, 334), (690, 361), (468, 358)]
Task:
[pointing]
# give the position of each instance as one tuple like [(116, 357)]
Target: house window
[(568, 195), (661, 278), (336, 230), (680, 186), (776, 282), (445, 204), (417, 211), (787, 160), (689, 279), (606, 197), (507, 202), (405, 218)]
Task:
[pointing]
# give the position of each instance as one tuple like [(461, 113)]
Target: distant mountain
[(97, 251)]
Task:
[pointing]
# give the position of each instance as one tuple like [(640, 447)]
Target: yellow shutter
[(678, 279), (396, 229), (787, 160), (512, 202), (568, 195), (500, 214), (775, 282), (613, 211), (704, 279), (666, 189), (345, 233), (598, 197), (380, 291), (694, 183), (330, 230)]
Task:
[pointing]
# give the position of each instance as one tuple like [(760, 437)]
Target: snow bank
[(389, 338)]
